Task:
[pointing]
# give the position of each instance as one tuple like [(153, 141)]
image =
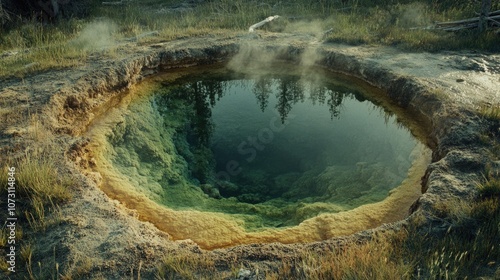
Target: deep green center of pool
[(272, 151)]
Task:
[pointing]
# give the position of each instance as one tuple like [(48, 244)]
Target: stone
[(244, 274)]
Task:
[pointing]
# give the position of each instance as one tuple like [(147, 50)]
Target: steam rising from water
[(414, 14), (256, 61), (97, 35)]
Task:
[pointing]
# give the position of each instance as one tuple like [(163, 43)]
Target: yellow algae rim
[(212, 230)]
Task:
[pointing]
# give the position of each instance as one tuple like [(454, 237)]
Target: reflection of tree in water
[(320, 93), (200, 96), (194, 101), (191, 103), (290, 91), (262, 90), (203, 95)]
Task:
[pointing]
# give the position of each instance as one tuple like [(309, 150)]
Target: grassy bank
[(33, 46), (466, 248), (35, 189)]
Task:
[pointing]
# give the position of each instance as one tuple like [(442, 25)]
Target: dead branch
[(492, 20), (259, 24), (494, 13), (115, 3)]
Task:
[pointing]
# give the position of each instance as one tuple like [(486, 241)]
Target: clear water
[(271, 151)]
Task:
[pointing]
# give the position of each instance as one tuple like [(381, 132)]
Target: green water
[(271, 151)]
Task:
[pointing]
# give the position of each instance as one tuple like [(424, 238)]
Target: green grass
[(405, 26), (38, 48), (41, 47), (490, 188), (190, 266), (466, 248), (39, 192), (490, 112), (39, 188)]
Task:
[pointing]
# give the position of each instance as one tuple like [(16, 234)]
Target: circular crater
[(226, 158)]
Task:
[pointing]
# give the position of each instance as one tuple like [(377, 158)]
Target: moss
[(162, 146)]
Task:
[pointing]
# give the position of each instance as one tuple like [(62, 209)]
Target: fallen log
[(259, 24), (493, 19), (494, 13), (462, 27), (465, 21), (115, 3)]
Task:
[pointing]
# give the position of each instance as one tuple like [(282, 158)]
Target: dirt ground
[(100, 237)]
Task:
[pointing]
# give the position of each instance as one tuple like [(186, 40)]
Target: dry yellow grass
[(468, 246), (188, 266)]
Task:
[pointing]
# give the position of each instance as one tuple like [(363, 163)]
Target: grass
[(39, 188), (35, 47), (466, 248), (189, 266), (38, 193), (370, 260), (490, 112), (405, 26), (42, 47), (490, 188)]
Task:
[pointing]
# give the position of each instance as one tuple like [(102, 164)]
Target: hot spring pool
[(234, 158)]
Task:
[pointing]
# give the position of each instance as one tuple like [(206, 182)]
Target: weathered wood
[(461, 27), (494, 13), (483, 18), (115, 3), (259, 24), (457, 22), (493, 19), (55, 7), (465, 21)]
